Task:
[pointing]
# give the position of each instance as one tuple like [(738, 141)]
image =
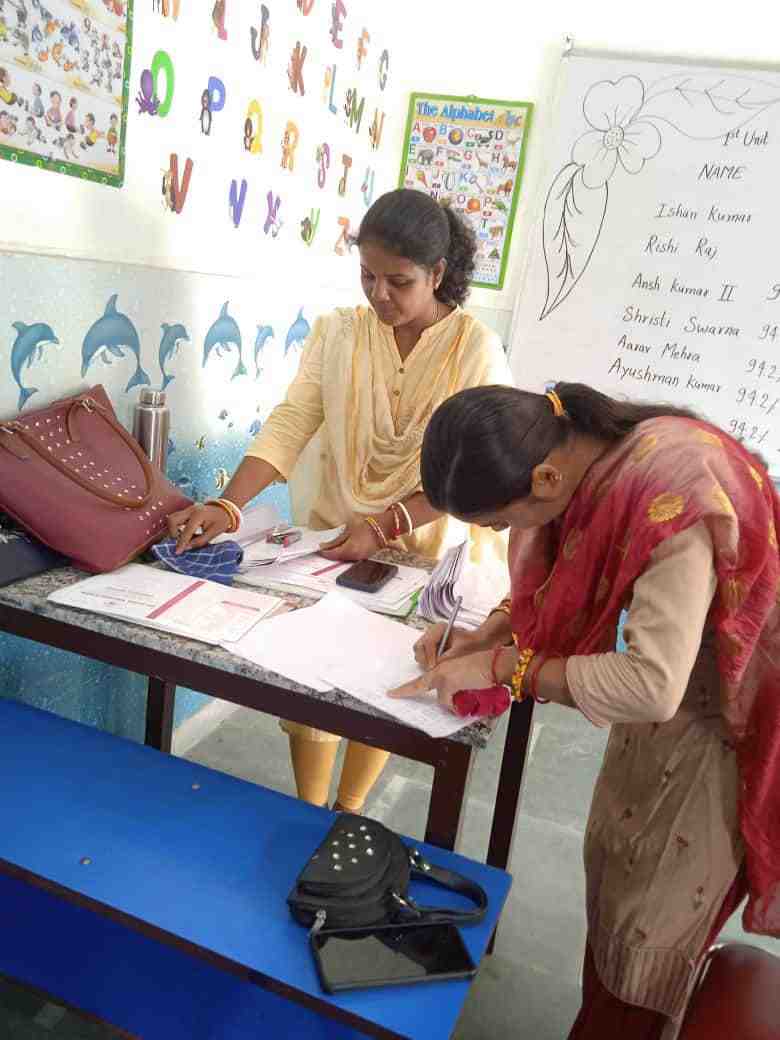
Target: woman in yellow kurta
[(369, 380)]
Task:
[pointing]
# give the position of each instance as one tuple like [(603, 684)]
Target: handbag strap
[(90, 405), (454, 882)]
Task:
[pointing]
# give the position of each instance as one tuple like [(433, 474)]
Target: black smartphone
[(390, 955), (367, 576)]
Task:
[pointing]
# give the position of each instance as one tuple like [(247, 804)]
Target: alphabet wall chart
[(653, 269), (252, 127), (64, 86), (469, 153)]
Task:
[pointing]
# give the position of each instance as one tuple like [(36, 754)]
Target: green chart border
[(114, 180), (528, 108)]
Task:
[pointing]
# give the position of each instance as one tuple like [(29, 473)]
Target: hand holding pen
[(445, 640), (448, 630)]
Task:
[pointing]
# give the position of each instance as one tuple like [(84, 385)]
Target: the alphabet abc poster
[(468, 153)]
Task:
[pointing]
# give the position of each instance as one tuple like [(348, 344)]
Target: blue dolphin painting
[(297, 332), (28, 347), (108, 337), (172, 335), (223, 335), (264, 332)]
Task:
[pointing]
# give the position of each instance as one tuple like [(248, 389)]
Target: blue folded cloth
[(218, 562)]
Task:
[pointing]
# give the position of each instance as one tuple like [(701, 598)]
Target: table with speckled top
[(170, 661)]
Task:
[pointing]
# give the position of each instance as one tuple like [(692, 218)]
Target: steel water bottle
[(152, 424)]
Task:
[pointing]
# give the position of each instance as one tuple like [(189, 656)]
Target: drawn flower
[(623, 118), (612, 110)]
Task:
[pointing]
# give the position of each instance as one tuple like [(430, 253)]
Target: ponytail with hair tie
[(482, 445)]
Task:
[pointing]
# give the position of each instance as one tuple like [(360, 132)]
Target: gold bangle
[(524, 659), (502, 608), (407, 517), (232, 510), (378, 532)]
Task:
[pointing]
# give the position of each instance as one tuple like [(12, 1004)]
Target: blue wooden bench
[(150, 892)]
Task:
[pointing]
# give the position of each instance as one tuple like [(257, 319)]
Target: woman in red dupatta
[(616, 506)]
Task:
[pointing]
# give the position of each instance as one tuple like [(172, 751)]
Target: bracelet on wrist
[(533, 679), (518, 676), (379, 534), (493, 662), (396, 533), (234, 514), (407, 517)]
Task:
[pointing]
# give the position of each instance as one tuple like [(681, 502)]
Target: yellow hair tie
[(556, 402)]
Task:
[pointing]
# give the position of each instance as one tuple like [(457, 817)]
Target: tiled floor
[(25, 1015), (530, 987)]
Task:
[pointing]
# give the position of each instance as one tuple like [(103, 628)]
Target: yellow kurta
[(370, 410)]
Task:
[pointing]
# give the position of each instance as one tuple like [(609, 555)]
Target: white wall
[(64, 216), (496, 48), (507, 50)]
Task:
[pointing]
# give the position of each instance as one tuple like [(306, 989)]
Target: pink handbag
[(75, 478)]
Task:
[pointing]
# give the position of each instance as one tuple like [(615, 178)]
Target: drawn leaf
[(705, 106), (573, 218)]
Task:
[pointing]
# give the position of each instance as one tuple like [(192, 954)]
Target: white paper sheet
[(379, 657), (338, 644), (170, 602), (287, 644)]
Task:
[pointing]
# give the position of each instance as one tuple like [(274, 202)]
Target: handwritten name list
[(656, 272)]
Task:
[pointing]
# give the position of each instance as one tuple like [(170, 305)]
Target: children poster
[(469, 152), (64, 72)]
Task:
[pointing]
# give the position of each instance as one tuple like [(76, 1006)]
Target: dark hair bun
[(411, 224), (461, 254)]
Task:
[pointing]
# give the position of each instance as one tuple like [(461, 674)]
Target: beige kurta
[(662, 846), (370, 409)]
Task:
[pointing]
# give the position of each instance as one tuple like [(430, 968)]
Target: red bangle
[(494, 677), (541, 662), (396, 523)]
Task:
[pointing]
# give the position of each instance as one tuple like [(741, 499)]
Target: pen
[(448, 629)]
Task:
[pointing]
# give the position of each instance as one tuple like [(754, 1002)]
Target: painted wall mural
[(223, 352)]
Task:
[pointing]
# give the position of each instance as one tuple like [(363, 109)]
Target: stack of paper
[(313, 575), (438, 599), (258, 523), (261, 521), (337, 644), (262, 553), (480, 587), (170, 602)]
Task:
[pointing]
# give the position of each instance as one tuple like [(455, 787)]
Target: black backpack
[(360, 876)]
